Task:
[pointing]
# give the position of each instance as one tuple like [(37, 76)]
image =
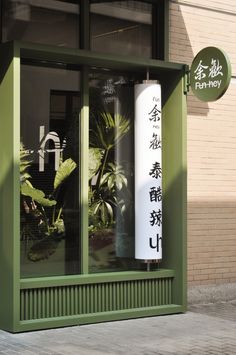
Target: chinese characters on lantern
[(148, 172), (208, 76)]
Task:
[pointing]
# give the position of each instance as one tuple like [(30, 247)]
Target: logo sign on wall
[(148, 172), (210, 74)]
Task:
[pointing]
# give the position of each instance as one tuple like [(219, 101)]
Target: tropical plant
[(107, 133), (25, 163), (42, 218), (106, 176)]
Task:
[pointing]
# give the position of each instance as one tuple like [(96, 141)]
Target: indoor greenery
[(42, 216), (107, 178)]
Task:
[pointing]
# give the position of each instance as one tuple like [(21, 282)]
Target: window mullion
[(84, 158), (84, 25), (158, 28)]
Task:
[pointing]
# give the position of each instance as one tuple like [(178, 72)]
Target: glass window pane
[(48, 22), (49, 169), (111, 173), (121, 27)]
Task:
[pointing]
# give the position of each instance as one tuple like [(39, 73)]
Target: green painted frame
[(16, 292)]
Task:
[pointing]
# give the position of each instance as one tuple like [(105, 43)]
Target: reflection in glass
[(111, 173), (49, 170), (48, 22), (121, 27)]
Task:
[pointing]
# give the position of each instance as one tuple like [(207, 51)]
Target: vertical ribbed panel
[(64, 301)]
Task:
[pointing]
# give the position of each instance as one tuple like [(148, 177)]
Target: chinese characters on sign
[(210, 74), (148, 172)]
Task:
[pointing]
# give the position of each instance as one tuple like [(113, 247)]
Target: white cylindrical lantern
[(148, 172)]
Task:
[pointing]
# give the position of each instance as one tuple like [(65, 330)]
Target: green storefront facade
[(67, 164)]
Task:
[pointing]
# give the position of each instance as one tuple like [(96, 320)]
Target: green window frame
[(159, 21), (84, 59), (173, 267), (28, 304)]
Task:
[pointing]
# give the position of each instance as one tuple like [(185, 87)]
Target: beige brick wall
[(211, 147)]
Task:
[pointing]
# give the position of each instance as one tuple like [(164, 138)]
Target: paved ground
[(204, 329)]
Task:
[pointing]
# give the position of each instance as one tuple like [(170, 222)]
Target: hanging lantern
[(148, 171)]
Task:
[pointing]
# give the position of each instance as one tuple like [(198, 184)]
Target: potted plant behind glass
[(42, 216), (110, 196)]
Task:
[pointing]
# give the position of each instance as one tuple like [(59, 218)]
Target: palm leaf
[(65, 169), (109, 129)]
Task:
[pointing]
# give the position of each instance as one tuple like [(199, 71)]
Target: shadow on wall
[(181, 51), (211, 157)]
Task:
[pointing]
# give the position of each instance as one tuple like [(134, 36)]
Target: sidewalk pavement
[(204, 329)]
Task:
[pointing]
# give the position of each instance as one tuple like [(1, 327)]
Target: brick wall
[(211, 142)]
